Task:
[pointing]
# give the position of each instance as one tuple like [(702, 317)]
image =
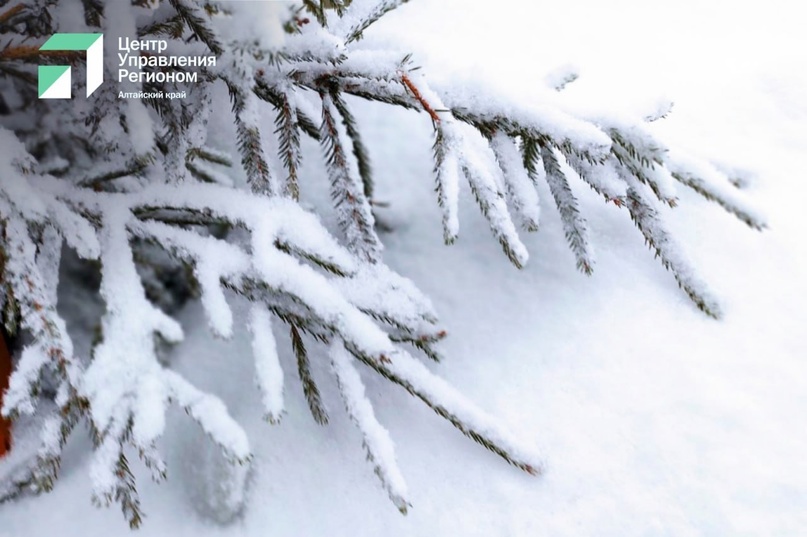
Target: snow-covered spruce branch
[(349, 300), (605, 153), (116, 178)]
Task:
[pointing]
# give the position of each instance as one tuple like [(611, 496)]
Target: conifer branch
[(312, 395), (416, 380), (250, 144), (411, 87), (521, 192), (602, 178), (642, 164), (196, 19), (93, 12), (10, 13), (355, 217), (446, 171), (380, 9), (716, 188), (359, 150), (646, 219), (375, 438), (140, 198), (288, 134), (573, 223), (492, 205), (317, 8)]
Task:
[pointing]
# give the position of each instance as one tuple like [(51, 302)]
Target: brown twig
[(10, 13), (416, 93), (28, 52)]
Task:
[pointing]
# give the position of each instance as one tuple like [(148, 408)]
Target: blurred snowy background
[(655, 420)]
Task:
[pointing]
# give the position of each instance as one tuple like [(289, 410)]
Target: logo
[(55, 80)]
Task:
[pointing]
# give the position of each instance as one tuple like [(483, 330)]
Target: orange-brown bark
[(416, 94), (5, 374)]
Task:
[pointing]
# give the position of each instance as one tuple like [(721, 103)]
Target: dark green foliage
[(573, 223), (353, 208), (359, 150), (312, 395), (288, 135)]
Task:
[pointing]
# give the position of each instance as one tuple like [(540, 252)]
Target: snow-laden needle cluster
[(112, 178)]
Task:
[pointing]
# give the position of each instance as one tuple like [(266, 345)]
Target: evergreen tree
[(133, 187)]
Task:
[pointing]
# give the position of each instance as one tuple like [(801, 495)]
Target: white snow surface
[(654, 419)]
